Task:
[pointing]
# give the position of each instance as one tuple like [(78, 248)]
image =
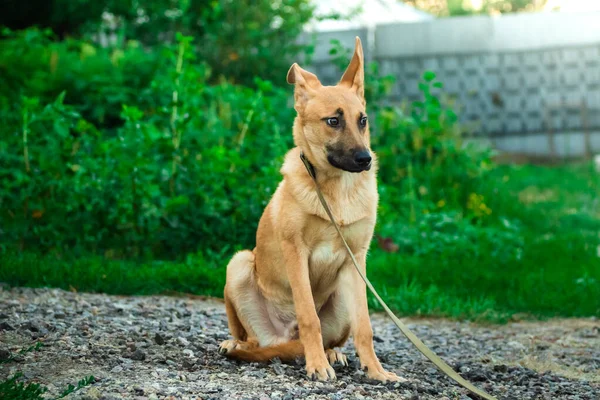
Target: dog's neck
[(351, 196)]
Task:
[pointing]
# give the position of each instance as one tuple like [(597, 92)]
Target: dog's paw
[(322, 372), (336, 356), (380, 374), (228, 346)]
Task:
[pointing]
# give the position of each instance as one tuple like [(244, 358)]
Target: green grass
[(540, 256), (536, 255), (96, 274)]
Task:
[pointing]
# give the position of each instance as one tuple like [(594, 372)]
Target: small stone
[(5, 326), (516, 345), (211, 348), (138, 355), (188, 353), (278, 368), (30, 326), (117, 369), (92, 394), (183, 341), (4, 354), (500, 368), (160, 358), (159, 339), (189, 363)]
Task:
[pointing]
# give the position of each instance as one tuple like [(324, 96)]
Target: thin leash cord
[(434, 358)]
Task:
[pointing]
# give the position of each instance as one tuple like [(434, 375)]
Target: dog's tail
[(287, 351)]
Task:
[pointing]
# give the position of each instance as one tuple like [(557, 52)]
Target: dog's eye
[(333, 121), (363, 121)]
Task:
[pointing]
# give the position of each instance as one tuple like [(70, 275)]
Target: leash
[(434, 358)]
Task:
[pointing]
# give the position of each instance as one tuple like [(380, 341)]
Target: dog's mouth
[(348, 164)]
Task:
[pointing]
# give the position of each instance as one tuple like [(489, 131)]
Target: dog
[(297, 293)]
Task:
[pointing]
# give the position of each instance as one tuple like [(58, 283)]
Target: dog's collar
[(309, 167)]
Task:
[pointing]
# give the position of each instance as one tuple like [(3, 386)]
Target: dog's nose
[(363, 158)]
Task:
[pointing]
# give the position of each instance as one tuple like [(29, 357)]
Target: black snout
[(362, 158), (354, 160)]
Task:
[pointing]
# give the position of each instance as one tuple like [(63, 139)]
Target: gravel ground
[(166, 347)]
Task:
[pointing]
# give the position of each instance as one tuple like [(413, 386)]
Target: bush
[(428, 166), (192, 166), (98, 81), (238, 39)]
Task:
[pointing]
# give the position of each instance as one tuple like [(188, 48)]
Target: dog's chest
[(328, 254), (324, 263)]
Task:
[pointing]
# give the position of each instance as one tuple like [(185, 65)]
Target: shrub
[(192, 166), (238, 39), (98, 81), (427, 165)]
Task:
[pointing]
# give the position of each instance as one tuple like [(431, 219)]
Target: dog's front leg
[(296, 260), (354, 292)]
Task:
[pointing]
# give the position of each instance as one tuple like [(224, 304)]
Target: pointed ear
[(305, 83), (354, 77)]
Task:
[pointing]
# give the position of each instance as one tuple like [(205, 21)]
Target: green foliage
[(98, 81), (249, 38), (536, 253), (65, 17), (12, 389), (238, 39), (428, 165), (81, 384), (187, 157), (194, 274)]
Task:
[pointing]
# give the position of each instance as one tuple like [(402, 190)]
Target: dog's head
[(332, 126)]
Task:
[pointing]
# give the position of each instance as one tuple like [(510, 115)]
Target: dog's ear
[(354, 77), (305, 83)]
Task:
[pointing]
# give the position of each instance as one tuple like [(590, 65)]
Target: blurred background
[(141, 140)]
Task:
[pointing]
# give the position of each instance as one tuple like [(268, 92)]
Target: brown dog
[(298, 293)]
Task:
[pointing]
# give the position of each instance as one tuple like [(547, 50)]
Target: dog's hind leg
[(335, 326), (239, 333), (235, 325), (246, 310)]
